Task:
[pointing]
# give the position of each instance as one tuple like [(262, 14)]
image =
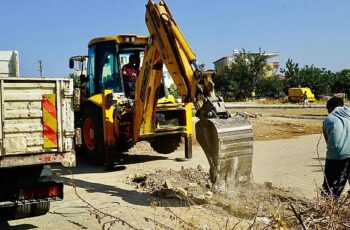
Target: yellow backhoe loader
[(111, 122)]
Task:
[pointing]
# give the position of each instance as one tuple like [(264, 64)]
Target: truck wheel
[(166, 144), (92, 134), (22, 211), (40, 209)]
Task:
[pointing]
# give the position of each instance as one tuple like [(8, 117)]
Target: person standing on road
[(306, 101), (336, 131)]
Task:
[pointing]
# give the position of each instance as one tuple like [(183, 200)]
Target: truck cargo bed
[(37, 121)]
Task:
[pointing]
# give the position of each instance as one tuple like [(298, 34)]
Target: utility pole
[(41, 68)]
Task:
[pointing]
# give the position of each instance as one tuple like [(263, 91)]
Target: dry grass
[(272, 128), (325, 213)]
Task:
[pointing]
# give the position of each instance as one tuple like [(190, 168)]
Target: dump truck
[(112, 121), (36, 131)]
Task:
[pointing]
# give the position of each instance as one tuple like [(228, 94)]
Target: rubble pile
[(192, 185), (265, 204)]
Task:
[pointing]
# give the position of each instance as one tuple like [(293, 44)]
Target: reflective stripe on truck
[(49, 121)]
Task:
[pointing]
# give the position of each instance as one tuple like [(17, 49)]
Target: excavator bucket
[(228, 145)]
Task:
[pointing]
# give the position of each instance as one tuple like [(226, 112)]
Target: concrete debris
[(200, 168), (208, 195), (181, 191), (137, 175), (263, 220), (200, 199), (192, 187), (168, 185), (248, 115)]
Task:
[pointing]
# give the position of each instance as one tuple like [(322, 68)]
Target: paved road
[(289, 163)]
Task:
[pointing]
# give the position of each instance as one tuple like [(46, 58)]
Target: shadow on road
[(314, 115), (130, 196), (4, 225), (321, 158), (318, 168), (122, 161)]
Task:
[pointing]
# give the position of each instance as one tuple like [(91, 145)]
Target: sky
[(307, 31)]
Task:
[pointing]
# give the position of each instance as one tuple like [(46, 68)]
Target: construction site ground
[(153, 191), (272, 124)]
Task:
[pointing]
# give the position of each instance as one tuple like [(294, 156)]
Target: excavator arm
[(227, 141)]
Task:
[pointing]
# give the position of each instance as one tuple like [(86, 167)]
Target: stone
[(268, 184), (208, 195), (168, 185), (181, 191), (200, 199), (192, 187)]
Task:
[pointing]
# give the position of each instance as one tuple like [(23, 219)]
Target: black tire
[(22, 211), (30, 210), (165, 144), (92, 134), (40, 209)]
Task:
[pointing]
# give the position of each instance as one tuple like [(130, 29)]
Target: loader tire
[(92, 134), (166, 144)]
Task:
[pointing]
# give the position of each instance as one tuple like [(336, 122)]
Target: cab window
[(103, 68)]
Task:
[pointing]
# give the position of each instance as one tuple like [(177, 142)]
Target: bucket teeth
[(228, 146)]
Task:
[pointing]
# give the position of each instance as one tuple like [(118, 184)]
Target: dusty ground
[(272, 128), (135, 195), (267, 127), (299, 111)]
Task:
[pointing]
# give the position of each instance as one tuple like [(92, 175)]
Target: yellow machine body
[(110, 121)]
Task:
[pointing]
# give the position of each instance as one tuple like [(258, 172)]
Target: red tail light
[(52, 190)]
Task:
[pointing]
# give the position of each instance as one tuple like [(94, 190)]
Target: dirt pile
[(192, 185), (260, 205)]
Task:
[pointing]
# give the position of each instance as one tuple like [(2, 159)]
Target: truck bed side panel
[(22, 123)]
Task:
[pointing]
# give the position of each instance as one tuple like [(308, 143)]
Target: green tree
[(292, 75), (76, 80), (341, 82), (271, 87), (317, 79), (225, 86), (240, 80)]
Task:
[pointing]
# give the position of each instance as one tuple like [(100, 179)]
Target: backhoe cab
[(105, 113)]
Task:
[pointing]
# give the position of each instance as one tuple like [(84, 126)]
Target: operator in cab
[(130, 72)]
